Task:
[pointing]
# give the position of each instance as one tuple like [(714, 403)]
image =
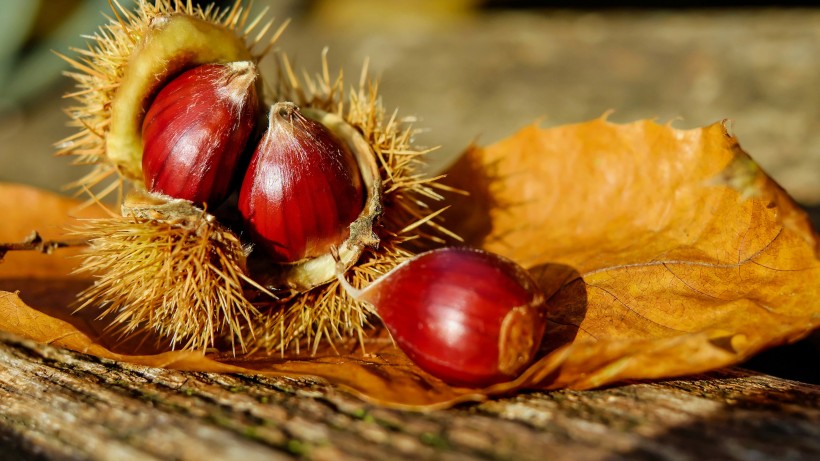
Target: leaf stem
[(34, 242)]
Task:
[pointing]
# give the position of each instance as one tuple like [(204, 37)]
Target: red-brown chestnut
[(196, 130), (302, 189), (466, 316)]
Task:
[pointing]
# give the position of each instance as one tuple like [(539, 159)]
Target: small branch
[(34, 242)]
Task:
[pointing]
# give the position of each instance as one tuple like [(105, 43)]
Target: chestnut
[(302, 189), (196, 130), (467, 316)]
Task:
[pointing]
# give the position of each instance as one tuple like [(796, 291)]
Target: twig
[(34, 242)]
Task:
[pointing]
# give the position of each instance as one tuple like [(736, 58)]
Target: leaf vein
[(630, 309), (688, 285)]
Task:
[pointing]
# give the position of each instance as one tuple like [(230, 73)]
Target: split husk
[(248, 302)]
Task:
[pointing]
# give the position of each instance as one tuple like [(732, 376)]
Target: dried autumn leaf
[(665, 252), (679, 254)]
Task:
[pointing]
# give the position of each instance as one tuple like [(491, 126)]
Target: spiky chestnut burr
[(469, 317), (128, 62), (190, 267), (171, 268), (196, 130)]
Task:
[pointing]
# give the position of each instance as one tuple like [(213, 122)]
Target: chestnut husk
[(133, 57)]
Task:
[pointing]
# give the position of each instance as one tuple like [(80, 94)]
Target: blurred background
[(478, 70)]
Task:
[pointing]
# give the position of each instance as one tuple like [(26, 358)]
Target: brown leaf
[(664, 253), (681, 254)]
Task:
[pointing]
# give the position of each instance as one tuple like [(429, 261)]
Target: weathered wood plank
[(57, 404)]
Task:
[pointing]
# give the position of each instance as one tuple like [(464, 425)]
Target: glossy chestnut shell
[(469, 317), (196, 130), (302, 189)]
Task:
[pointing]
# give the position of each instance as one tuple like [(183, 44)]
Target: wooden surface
[(57, 404)]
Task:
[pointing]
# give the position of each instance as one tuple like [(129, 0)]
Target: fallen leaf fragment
[(663, 252)]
